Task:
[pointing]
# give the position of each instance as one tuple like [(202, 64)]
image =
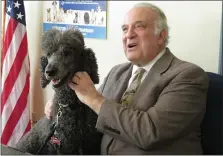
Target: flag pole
[(3, 21), (3, 32)]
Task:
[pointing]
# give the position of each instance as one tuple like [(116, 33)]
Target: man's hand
[(86, 91)]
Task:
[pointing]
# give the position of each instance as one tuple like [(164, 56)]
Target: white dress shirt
[(146, 67)]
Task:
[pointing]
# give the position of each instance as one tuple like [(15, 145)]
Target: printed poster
[(89, 16)]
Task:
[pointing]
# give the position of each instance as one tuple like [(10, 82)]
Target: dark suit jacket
[(165, 114)]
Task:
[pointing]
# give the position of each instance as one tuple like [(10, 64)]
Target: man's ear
[(162, 37), (43, 63)]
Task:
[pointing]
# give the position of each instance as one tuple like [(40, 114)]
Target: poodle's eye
[(65, 53)]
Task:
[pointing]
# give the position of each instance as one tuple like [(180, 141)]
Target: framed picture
[(87, 16)]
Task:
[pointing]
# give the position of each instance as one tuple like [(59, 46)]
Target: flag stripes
[(15, 78)]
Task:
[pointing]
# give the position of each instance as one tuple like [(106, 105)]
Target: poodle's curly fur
[(64, 54)]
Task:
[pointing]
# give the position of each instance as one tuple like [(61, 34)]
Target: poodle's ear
[(90, 65), (43, 63)]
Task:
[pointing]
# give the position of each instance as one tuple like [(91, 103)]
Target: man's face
[(140, 43)]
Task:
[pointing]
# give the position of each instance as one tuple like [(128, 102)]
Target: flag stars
[(17, 5), (9, 9), (19, 16), (16, 10)]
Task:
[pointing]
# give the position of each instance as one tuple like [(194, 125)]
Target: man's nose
[(130, 33)]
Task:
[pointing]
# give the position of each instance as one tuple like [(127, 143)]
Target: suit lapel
[(121, 85), (163, 64), (148, 83), (153, 76)]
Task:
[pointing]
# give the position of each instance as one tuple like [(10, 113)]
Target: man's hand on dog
[(86, 91), (48, 109)]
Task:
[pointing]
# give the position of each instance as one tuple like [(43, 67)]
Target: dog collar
[(63, 105)]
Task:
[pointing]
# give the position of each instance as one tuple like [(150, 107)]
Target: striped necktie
[(129, 93)]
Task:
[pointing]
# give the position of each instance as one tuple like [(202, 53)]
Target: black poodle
[(74, 122)]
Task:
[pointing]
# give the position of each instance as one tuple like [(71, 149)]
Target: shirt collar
[(148, 66)]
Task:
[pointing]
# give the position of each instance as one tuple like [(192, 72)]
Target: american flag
[(15, 83)]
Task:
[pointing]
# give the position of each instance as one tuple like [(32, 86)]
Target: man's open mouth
[(132, 45), (58, 82)]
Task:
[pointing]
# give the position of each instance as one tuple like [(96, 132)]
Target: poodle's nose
[(51, 72)]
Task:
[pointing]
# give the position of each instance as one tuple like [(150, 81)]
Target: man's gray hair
[(161, 22)]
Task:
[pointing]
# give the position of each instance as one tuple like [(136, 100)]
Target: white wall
[(38, 96), (194, 34)]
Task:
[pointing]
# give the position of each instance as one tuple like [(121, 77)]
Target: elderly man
[(153, 105)]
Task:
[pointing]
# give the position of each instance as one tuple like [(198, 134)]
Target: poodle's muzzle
[(58, 76)]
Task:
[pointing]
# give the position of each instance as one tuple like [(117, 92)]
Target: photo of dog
[(54, 11), (86, 18), (75, 17), (60, 17), (48, 14)]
